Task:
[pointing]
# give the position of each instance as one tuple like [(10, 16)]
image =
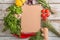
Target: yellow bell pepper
[(23, 1), (19, 3)]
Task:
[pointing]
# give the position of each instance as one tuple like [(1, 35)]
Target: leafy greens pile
[(11, 22)]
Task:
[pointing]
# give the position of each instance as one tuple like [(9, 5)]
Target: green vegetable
[(45, 5), (50, 27), (15, 9), (11, 22), (38, 36)]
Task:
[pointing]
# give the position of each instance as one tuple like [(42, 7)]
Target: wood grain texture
[(7, 33), (1, 15), (54, 1), (13, 38), (11, 1), (55, 4), (54, 38), (4, 6), (55, 8), (7, 1)]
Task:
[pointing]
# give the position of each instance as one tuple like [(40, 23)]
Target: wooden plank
[(13, 38), (1, 26), (4, 6), (54, 38), (50, 34), (56, 21), (12, 1), (7, 1), (7, 33), (1, 15), (55, 7), (3, 34), (1, 6), (54, 1)]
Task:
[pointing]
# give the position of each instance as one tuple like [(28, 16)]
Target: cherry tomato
[(46, 11), (43, 15), (43, 11), (47, 14), (44, 18)]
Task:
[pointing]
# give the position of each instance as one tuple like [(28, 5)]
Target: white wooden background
[(55, 4)]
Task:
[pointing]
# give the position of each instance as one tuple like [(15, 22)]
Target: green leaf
[(38, 36), (12, 8), (18, 10), (11, 22)]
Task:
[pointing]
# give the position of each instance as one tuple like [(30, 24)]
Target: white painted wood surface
[(11, 1), (55, 4)]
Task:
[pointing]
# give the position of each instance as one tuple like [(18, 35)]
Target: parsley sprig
[(11, 22)]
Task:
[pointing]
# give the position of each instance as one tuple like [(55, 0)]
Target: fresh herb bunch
[(11, 22), (48, 24), (45, 5), (15, 9), (38, 36)]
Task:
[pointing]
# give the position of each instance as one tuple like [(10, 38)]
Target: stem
[(45, 5), (50, 27)]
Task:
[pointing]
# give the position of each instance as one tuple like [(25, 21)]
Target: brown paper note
[(31, 19)]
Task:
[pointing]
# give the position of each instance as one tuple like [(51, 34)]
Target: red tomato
[(44, 18), (43, 11), (43, 15), (46, 11), (47, 14)]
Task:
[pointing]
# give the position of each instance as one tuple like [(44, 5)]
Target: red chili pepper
[(24, 35)]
